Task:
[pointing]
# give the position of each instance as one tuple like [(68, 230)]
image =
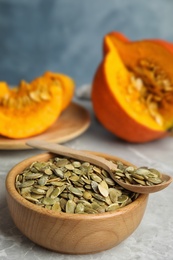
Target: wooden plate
[(72, 123)]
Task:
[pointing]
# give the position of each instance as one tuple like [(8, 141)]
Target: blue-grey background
[(66, 35)]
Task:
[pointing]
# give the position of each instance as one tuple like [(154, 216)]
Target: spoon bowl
[(147, 189), (99, 161)]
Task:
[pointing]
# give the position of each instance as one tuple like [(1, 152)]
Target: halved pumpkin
[(31, 108), (132, 91)]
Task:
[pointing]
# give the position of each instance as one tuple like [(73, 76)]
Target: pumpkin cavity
[(151, 89), (150, 63)]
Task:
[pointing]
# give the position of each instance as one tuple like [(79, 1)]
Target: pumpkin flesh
[(65, 82), (151, 61)]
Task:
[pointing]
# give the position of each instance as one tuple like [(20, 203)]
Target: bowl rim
[(11, 190)]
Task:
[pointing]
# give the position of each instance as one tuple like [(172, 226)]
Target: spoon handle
[(72, 153)]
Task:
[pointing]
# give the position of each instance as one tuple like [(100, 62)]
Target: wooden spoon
[(99, 161)]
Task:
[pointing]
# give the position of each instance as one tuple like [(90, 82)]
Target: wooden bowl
[(71, 233)]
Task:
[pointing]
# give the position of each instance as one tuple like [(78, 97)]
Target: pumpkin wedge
[(31, 108), (132, 90)]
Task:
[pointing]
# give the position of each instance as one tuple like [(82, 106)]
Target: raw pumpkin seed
[(70, 206), (152, 89), (140, 176), (75, 187)]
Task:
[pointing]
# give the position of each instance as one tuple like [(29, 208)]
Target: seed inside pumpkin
[(152, 87)]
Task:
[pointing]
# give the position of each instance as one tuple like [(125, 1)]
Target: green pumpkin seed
[(103, 189), (98, 197), (97, 207), (109, 181), (65, 185), (33, 176), (141, 182), (155, 180), (56, 206), (90, 210), (155, 172), (43, 180), (123, 198), (113, 207), (76, 164), (137, 176), (38, 191), (57, 191), (75, 191), (37, 196), (130, 169), (79, 208), (59, 173), (62, 162), (142, 171), (96, 178), (63, 202), (96, 169), (48, 201), (85, 164), (74, 178), (114, 194), (87, 195), (48, 171), (26, 190), (49, 191), (26, 184), (69, 167), (70, 206), (31, 199), (57, 183)]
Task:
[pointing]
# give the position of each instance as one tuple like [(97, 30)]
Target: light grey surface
[(152, 240)]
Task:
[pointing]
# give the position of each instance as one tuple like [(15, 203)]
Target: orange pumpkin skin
[(31, 108), (107, 106), (123, 38), (113, 35)]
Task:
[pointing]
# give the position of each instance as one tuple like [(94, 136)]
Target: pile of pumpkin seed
[(143, 176), (66, 185)]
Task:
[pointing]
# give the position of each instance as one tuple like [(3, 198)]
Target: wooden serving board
[(71, 123)]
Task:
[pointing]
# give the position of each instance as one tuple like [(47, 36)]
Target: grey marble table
[(152, 240)]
